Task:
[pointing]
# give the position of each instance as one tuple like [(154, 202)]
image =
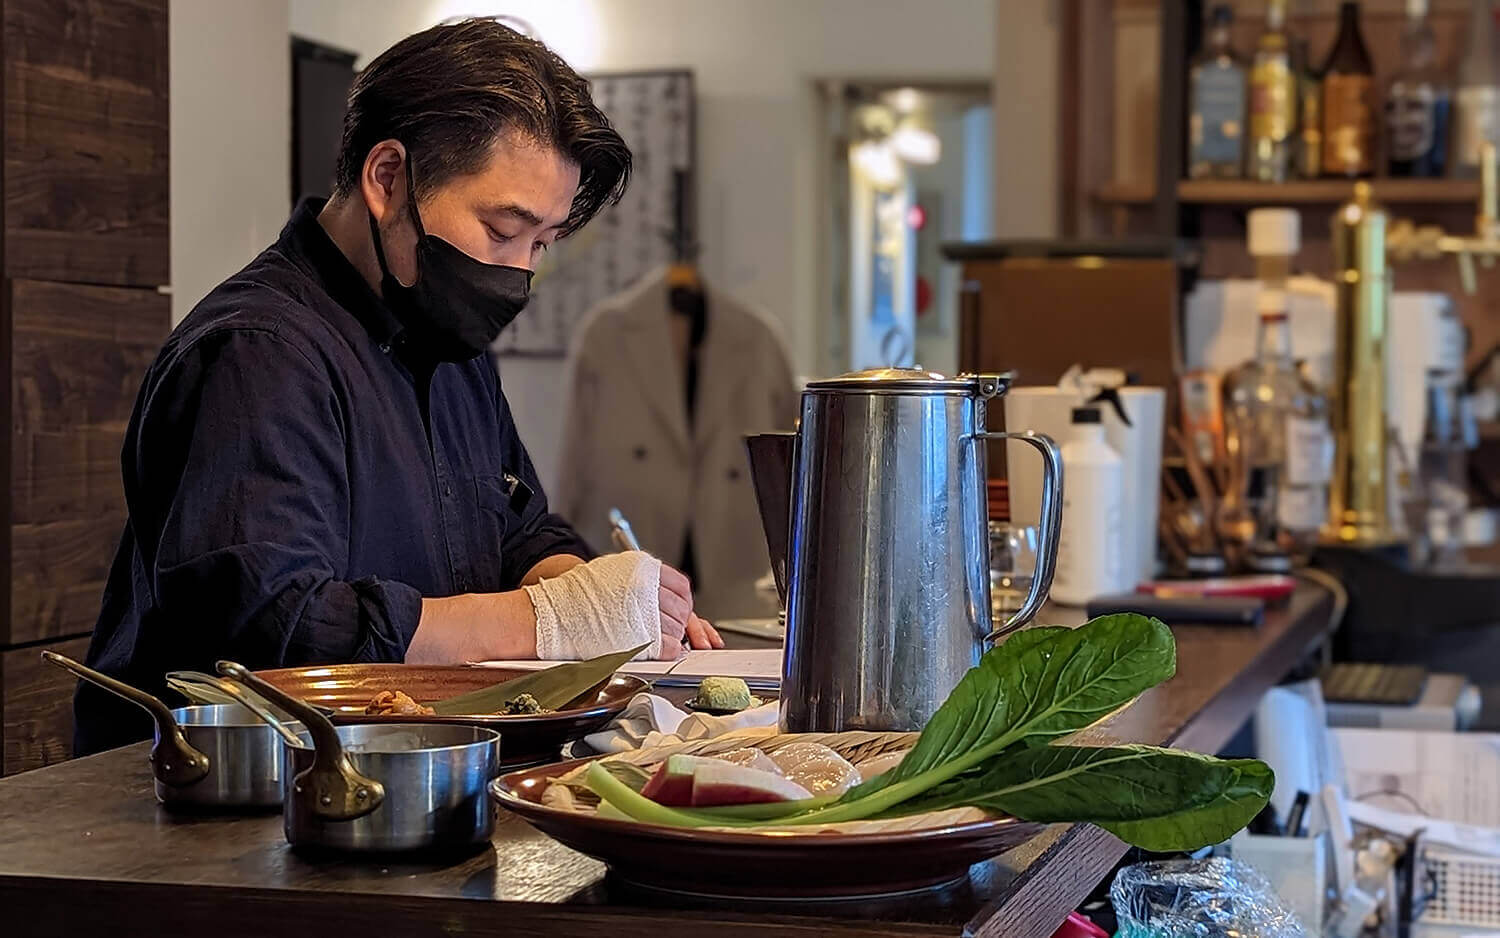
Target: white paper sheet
[(1443, 782), (761, 663)]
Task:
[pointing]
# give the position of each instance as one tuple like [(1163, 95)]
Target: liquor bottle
[(1477, 111), (1348, 107), (1418, 102), (1309, 150), (1216, 119), (1273, 100), (1282, 417)]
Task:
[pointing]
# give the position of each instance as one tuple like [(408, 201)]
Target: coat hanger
[(684, 282)]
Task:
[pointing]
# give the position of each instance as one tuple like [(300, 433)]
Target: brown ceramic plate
[(745, 864), (525, 739)]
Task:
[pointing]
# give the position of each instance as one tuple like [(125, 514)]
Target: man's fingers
[(676, 582), (675, 606), (702, 635)]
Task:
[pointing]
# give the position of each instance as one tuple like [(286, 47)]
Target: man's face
[(508, 212)]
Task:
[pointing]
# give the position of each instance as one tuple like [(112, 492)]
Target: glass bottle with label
[(1309, 149), (1417, 103), (1348, 106), (1273, 100), (1442, 471), (1476, 116), (1216, 118), (1283, 417)]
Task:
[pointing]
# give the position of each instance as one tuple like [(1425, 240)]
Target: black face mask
[(457, 305)]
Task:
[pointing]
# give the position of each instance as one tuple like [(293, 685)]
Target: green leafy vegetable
[(554, 688), (1051, 686), (992, 744), (1206, 824), (1160, 799)]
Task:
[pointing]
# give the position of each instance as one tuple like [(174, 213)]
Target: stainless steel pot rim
[(482, 737), (184, 715)]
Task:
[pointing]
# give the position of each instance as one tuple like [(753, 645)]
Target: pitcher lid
[(915, 380)]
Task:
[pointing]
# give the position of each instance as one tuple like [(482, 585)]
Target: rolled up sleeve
[(254, 532)]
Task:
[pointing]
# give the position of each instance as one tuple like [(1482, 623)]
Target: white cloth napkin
[(649, 720)]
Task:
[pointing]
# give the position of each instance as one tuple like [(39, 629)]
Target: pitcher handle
[(1051, 525)]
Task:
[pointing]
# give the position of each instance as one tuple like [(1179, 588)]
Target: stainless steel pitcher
[(876, 517)]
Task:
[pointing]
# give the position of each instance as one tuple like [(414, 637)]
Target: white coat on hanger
[(627, 443)]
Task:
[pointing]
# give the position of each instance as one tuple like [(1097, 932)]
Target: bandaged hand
[(615, 602)]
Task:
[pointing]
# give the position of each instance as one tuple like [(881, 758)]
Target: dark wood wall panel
[(78, 355), (84, 245), (58, 571), (86, 141), (38, 702)]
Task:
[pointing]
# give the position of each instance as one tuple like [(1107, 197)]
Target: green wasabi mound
[(722, 693)]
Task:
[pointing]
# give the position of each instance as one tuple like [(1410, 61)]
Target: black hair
[(447, 92)]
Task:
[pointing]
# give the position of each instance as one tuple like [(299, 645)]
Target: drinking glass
[(1013, 552)]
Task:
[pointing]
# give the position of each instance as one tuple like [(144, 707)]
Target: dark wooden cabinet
[(85, 249)]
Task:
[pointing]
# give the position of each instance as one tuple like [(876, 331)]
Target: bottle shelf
[(1298, 192)]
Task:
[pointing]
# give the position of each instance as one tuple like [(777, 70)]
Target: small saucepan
[(205, 757), (382, 788)]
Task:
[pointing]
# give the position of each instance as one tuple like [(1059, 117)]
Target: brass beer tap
[(1364, 242)]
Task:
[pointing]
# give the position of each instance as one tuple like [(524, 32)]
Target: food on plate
[(394, 703), (730, 694), (716, 782), (672, 783), (881, 764), (705, 781), (523, 704), (553, 688), (997, 745), (753, 758), (816, 767)]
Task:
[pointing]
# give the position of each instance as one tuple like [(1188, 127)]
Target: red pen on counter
[(1270, 586)]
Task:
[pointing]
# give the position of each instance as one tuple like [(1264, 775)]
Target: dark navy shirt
[(298, 477)]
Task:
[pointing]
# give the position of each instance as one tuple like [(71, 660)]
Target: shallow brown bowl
[(746, 864), (525, 739)]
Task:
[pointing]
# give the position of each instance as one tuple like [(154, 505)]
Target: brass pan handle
[(174, 761), (331, 789)]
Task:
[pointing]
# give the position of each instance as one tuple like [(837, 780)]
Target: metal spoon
[(174, 761), (245, 698)]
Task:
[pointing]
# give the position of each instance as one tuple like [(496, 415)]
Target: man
[(321, 466)]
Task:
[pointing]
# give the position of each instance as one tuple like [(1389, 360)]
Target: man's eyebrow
[(519, 211)]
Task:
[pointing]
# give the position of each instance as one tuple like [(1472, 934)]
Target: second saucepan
[(383, 788)]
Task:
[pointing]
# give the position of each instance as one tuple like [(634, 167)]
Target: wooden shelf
[(1300, 192)]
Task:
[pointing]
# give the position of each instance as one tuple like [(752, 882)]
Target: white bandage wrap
[(609, 604)]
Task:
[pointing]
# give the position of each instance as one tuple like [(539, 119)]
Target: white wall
[(1025, 116), (230, 138)]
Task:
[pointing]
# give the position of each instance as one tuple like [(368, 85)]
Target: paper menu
[(759, 663)]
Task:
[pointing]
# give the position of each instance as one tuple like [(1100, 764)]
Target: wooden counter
[(85, 850)]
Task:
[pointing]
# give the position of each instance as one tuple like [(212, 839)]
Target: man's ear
[(382, 180)]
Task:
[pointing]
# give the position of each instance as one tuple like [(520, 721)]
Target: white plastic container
[(1138, 444), (1091, 549)]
